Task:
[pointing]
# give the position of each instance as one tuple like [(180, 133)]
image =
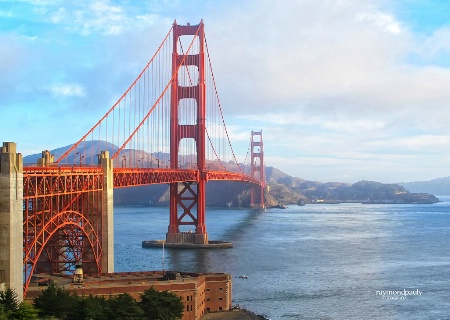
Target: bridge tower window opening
[(187, 153), (188, 76), (185, 41), (187, 114)]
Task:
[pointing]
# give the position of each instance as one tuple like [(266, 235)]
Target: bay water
[(321, 261)]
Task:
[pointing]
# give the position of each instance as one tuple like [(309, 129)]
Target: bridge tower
[(185, 197), (257, 168), (11, 219)]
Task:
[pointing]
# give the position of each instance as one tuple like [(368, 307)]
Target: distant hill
[(218, 194), (439, 186), (89, 149), (282, 188)]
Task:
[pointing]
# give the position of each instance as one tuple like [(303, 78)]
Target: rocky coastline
[(236, 313)]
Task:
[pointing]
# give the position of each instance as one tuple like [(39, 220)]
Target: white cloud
[(428, 142), (309, 58), (59, 15), (67, 90), (343, 88), (383, 20), (333, 79), (434, 46), (41, 3), (100, 17), (339, 125)]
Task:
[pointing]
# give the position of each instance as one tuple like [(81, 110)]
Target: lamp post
[(78, 274), (81, 157)]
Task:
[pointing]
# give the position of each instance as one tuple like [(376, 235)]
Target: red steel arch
[(66, 223), (62, 220)]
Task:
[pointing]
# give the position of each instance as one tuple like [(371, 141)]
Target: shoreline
[(236, 313)]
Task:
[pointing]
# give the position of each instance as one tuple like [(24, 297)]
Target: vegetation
[(11, 308), (362, 191), (366, 191), (124, 307), (161, 305), (56, 302)]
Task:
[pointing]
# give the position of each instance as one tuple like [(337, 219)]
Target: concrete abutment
[(107, 260), (11, 219)]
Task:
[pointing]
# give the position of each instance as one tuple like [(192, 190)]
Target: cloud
[(67, 90), (434, 46), (85, 17), (383, 20), (333, 78), (343, 88), (309, 58), (11, 54), (101, 17)]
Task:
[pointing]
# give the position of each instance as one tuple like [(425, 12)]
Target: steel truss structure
[(62, 220)]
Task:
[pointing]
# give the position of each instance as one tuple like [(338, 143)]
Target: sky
[(344, 90)]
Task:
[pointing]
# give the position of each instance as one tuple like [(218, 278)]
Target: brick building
[(200, 292)]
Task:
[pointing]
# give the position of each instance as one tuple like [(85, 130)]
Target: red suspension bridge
[(168, 127)]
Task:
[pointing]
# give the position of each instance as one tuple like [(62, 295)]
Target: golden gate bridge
[(59, 212)]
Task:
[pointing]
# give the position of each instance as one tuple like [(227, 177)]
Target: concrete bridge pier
[(11, 219), (107, 261)]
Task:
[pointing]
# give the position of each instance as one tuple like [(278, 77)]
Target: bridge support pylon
[(187, 197), (11, 219), (257, 170), (107, 261)]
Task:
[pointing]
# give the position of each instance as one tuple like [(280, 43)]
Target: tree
[(11, 308), (163, 305), (92, 308), (55, 301), (124, 307), (26, 312), (8, 300), (3, 314)]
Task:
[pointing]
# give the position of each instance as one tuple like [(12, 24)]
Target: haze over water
[(311, 262)]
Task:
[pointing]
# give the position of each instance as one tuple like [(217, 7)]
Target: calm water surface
[(315, 261)]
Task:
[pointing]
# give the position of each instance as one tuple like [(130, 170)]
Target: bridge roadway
[(128, 177)]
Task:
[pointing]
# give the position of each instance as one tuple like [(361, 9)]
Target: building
[(200, 292)]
